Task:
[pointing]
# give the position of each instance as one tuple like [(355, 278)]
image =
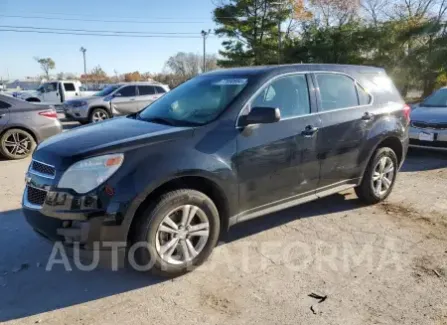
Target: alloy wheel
[(18, 144), (99, 116), (383, 176), (182, 234)]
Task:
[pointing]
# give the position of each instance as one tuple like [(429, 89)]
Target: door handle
[(132, 99), (309, 131), (367, 116)]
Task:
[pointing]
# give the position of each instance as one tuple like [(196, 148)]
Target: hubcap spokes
[(383, 176), (18, 144), (99, 116), (182, 234)]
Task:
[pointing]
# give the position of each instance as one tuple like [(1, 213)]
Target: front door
[(278, 162), (146, 95), (70, 91), (343, 109), (124, 102), (51, 93)]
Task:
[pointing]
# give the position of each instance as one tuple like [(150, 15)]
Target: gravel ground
[(383, 264)]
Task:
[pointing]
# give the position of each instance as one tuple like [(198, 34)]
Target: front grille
[(36, 196), (429, 125), (436, 144), (43, 168)]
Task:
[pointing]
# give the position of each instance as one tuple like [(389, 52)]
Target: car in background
[(55, 92), (429, 122), (114, 100), (23, 125)]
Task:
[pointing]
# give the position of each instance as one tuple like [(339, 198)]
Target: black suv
[(224, 147)]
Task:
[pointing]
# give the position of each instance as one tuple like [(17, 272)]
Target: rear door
[(278, 162), (146, 95), (4, 114), (343, 109), (70, 91), (124, 101)]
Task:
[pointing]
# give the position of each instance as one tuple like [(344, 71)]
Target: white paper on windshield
[(231, 82)]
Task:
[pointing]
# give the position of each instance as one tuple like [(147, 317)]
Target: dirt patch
[(430, 218), (220, 303), (428, 266)]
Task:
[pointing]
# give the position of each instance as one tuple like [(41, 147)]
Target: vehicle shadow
[(27, 288), (420, 160), (331, 204)]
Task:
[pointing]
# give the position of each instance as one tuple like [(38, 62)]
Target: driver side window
[(290, 94)]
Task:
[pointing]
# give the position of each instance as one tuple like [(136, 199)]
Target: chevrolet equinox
[(222, 148)]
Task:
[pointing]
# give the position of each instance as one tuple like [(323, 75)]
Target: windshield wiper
[(158, 120)]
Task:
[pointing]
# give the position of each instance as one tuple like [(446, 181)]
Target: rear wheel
[(177, 233), (17, 144), (98, 115), (379, 178)]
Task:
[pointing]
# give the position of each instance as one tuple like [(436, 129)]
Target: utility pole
[(279, 4), (204, 35), (83, 50)]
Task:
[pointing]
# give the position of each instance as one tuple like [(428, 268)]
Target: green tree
[(46, 64)]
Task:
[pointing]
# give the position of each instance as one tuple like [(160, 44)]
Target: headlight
[(88, 174)]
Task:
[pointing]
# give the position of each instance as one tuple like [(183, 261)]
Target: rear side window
[(69, 87), (4, 105), (290, 94), (146, 90), (337, 91), (160, 90), (129, 91), (364, 97)]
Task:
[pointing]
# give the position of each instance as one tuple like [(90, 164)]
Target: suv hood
[(429, 114), (115, 135)]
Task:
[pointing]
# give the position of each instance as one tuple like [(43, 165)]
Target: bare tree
[(184, 64), (335, 12), (46, 64), (374, 10)]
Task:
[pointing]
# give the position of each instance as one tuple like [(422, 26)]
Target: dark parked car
[(429, 122), (224, 147), (23, 125)]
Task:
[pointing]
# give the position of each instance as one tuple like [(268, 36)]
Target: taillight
[(407, 112), (49, 113)]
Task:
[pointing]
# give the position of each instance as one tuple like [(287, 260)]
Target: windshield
[(196, 102), (107, 91), (437, 99)]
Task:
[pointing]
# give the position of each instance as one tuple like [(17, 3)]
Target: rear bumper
[(49, 130)]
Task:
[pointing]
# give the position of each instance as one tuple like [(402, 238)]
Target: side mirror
[(261, 115)]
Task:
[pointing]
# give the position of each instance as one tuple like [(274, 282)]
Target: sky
[(120, 54)]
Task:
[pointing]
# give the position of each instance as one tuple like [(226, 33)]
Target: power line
[(96, 34), (103, 21), (96, 31)]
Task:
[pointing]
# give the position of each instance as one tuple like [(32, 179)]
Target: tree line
[(177, 69), (406, 37)]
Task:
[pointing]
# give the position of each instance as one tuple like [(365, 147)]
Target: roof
[(255, 70)]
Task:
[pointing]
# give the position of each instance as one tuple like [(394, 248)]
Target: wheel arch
[(199, 183), (391, 141)]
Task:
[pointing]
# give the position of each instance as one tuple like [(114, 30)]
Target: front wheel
[(98, 115), (379, 177), (176, 233)]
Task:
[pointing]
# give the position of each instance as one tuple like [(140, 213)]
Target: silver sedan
[(23, 125), (429, 122)]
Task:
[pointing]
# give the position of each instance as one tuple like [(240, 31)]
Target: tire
[(98, 115), (16, 144), (368, 191), (152, 240)]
